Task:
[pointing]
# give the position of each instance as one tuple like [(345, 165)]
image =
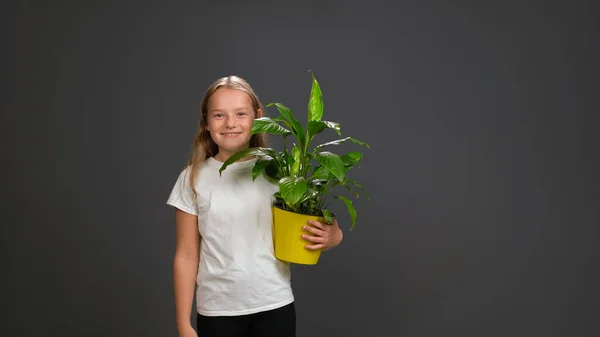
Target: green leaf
[(335, 126), (307, 168), (316, 127), (292, 189), (317, 182), (275, 170), (259, 168), (351, 209), (359, 186), (339, 141), (328, 216), (351, 158), (278, 168), (266, 124), (315, 101), (320, 172), (333, 163), (321, 186), (253, 151), (310, 194), (296, 157), (347, 187), (291, 121)]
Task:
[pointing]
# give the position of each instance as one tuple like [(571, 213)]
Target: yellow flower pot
[(287, 237)]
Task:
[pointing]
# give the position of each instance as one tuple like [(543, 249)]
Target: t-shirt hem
[(247, 311), (182, 207)]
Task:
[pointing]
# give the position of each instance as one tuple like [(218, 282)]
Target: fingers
[(314, 239), (316, 231), (317, 224), (315, 246), (320, 235)]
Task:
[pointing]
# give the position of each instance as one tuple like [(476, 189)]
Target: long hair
[(203, 146)]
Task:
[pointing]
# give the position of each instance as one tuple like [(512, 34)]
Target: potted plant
[(305, 190)]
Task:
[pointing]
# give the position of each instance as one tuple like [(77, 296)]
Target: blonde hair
[(203, 146)]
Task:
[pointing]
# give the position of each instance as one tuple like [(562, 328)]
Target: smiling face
[(229, 121)]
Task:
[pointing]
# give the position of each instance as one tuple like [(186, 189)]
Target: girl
[(224, 251)]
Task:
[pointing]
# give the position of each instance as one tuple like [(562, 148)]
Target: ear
[(259, 113)]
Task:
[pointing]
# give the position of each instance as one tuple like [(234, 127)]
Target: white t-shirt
[(238, 273)]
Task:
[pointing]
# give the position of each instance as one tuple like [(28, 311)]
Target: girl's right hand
[(188, 332)]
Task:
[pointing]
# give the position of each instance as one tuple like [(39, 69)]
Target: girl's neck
[(221, 158)]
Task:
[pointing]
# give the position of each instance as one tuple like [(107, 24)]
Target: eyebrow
[(236, 109)]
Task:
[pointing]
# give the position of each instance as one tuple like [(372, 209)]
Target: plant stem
[(285, 153), (323, 196), (305, 159)]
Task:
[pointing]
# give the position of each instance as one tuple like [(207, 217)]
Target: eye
[(242, 113)]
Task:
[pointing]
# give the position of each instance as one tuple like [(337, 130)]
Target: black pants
[(280, 322)]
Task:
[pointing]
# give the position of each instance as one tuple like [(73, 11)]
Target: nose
[(230, 121)]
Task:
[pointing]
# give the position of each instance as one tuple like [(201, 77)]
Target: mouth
[(231, 134)]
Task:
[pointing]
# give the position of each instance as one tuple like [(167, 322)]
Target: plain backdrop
[(482, 172)]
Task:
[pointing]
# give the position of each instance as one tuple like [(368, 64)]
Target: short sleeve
[(181, 195)]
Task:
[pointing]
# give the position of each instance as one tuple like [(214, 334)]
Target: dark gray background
[(483, 179)]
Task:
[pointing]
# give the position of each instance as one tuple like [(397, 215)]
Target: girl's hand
[(324, 236)]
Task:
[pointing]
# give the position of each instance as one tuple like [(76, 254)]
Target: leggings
[(280, 322)]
